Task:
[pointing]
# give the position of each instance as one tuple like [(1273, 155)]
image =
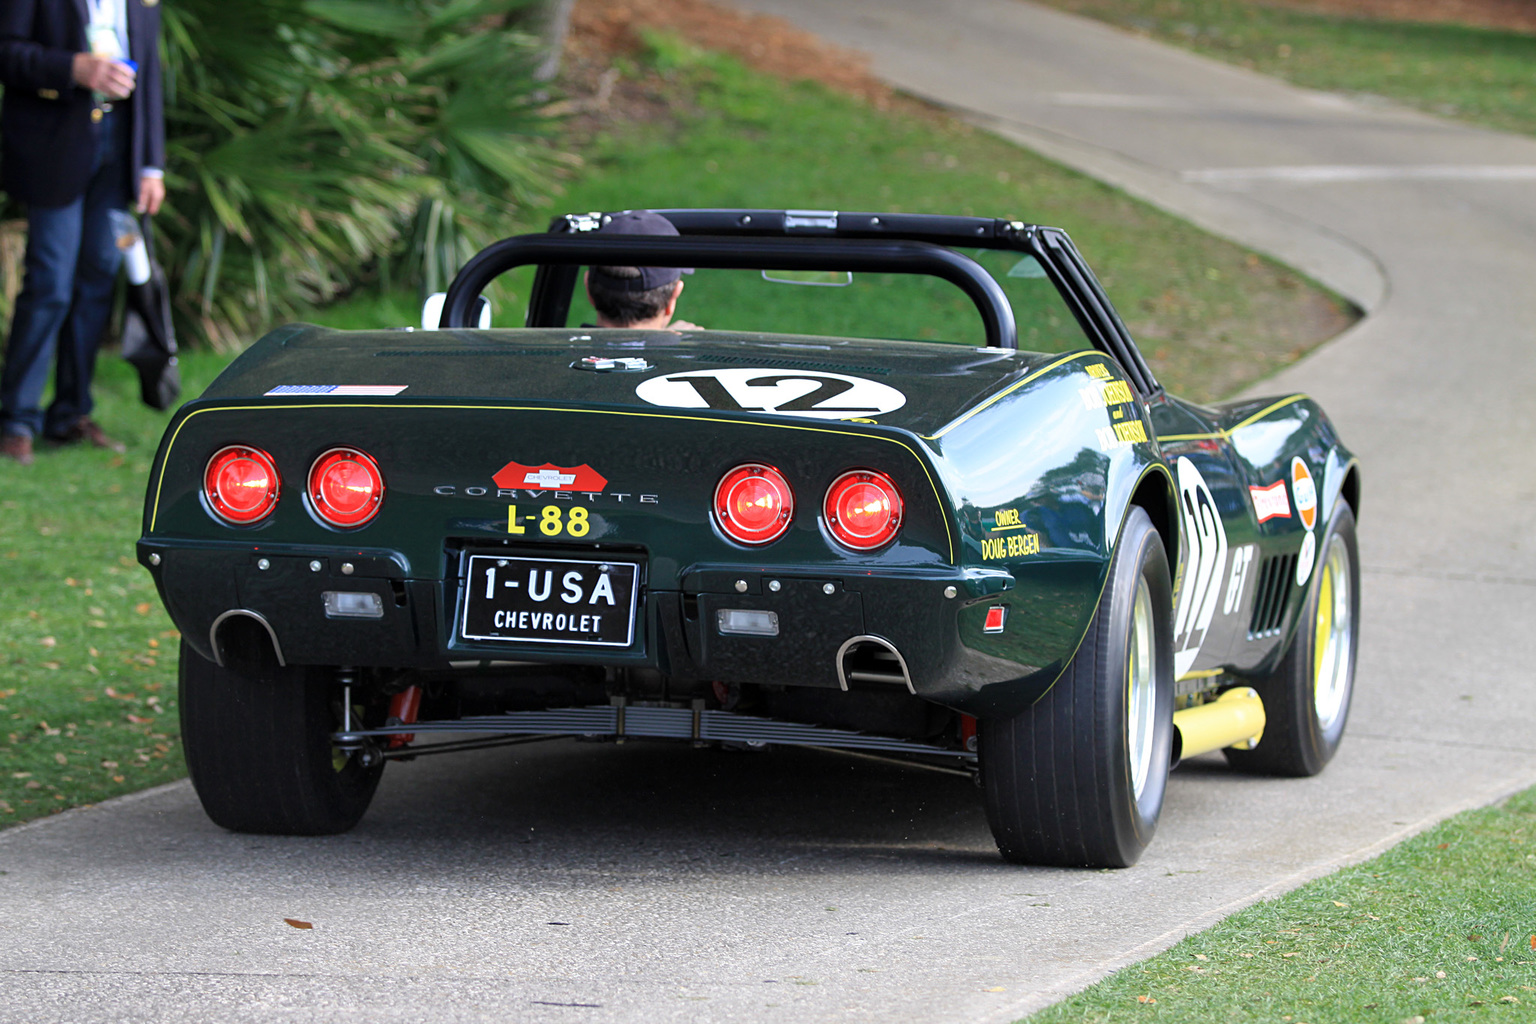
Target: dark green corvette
[(1035, 565)]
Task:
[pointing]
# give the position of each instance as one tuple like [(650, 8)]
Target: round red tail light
[(753, 504), (346, 487), (241, 484), (863, 509)]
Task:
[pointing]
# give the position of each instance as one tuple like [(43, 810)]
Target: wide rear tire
[(1306, 699), (258, 748), (1078, 778)]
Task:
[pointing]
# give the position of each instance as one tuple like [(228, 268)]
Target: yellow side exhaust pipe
[(1235, 719)]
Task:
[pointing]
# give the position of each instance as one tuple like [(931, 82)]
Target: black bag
[(149, 340)]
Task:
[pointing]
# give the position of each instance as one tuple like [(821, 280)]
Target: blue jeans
[(66, 296)]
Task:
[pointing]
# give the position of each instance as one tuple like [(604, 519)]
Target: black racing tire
[(259, 751), (1307, 697), (1077, 779)]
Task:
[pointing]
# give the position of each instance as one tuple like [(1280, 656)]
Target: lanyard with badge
[(103, 34)]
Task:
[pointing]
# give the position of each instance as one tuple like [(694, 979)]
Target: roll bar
[(900, 256)]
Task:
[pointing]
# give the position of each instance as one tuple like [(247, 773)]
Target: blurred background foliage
[(315, 146)]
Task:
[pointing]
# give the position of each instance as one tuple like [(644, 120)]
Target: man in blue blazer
[(82, 133)]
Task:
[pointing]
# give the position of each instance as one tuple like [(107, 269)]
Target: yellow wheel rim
[(1332, 635)]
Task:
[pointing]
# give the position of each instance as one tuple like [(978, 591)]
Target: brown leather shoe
[(18, 447), (88, 430)]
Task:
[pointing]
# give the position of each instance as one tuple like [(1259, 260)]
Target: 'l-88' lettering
[(553, 520)]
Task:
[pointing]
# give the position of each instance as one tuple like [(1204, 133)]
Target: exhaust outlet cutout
[(872, 659)]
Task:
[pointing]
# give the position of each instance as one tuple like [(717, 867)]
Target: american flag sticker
[(341, 390)]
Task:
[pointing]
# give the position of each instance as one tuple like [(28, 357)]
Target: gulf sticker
[(1304, 491), (1270, 502)]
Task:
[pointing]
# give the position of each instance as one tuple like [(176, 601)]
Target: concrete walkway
[(578, 882)]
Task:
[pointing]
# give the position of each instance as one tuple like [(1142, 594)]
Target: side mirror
[(432, 312)]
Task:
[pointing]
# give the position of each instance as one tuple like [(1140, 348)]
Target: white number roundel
[(825, 396)]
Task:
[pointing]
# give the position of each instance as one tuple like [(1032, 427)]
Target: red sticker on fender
[(1270, 502)]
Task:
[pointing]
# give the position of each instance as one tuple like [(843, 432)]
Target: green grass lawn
[(87, 654), (1478, 74), (1440, 928), (87, 689)]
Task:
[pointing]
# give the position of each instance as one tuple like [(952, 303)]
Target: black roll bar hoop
[(899, 256)]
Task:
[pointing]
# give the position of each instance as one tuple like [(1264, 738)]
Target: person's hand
[(683, 325), (113, 79), (151, 194)]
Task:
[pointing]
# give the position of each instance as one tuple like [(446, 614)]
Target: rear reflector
[(995, 617), (753, 504), (241, 484), (863, 509), (346, 487)]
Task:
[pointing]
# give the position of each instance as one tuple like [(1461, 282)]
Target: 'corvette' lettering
[(582, 497)]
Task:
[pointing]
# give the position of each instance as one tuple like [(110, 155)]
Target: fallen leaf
[(21, 775), (1201, 956), (109, 764), (136, 720), (99, 613), (1443, 846), (1439, 974), (142, 607), (297, 923), (61, 759), (1287, 954), (153, 642), (1338, 904), (1145, 999), (117, 778), (1508, 999), (51, 665), (48, 641)]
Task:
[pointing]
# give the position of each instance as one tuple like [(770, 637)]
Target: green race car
[(915, 494)]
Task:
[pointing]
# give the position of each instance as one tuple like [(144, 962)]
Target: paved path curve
[(643, 883)]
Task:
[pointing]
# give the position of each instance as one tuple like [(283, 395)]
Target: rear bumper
[(931, 619)]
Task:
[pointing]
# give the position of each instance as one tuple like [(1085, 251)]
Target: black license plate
[(550, 601)]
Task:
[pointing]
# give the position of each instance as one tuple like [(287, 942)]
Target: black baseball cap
[(638, 222)]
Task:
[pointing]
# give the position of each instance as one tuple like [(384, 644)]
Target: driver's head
[(635, 296)]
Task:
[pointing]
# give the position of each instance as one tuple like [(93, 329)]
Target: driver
[(643, 298)]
